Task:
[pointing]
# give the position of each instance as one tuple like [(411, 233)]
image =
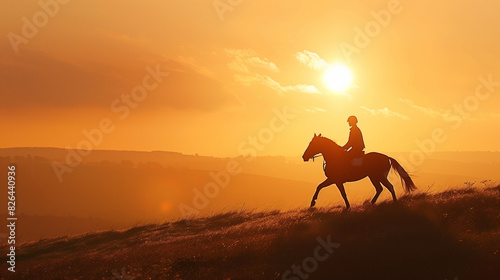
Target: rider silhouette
[(355, 145)]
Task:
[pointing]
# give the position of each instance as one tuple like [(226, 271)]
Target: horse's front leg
[(344, 195), (325, 183)]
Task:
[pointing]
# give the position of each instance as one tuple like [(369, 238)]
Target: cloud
[(247, 80), (188, 87), (262, 63), (240, 52), (238, 65), (427, 111), (314, 109), (243, 59), (311, 59), (385, 112), (38, 79), (198, 68)]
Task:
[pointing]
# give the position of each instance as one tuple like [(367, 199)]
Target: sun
[(338, 78)]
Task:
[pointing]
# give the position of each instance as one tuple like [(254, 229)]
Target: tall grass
[(450, 235)]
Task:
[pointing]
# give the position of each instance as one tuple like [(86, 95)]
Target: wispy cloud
[(269, 82), (385, 112), (427, 111), (240, 52), (262, 63), (243, 59), (195, 66), (311, 59), (238, 65), (314, 110)]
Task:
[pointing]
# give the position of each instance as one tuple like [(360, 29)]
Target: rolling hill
[(118, 189), (448, 235)]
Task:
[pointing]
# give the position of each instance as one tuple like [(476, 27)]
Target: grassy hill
[(123, 188), (450, 235)]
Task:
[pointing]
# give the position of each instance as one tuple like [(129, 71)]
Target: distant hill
[(123, 188), (449, 235), (481, 164)]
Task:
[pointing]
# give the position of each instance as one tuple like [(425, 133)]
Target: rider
[(355, 145)]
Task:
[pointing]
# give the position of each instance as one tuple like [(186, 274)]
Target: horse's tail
[(406, 180)]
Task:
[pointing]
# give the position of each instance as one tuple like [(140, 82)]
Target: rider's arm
[(349, 142)]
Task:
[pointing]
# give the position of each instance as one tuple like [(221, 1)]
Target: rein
[(324, 161), (313, 157)]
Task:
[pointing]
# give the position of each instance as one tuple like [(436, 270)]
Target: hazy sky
[(232, 65)]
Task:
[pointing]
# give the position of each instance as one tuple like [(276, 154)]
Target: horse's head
[(312, 149)]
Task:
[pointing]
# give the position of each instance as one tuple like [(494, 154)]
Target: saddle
[(355, 158)]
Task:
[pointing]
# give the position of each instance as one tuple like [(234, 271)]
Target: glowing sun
[(338, 78)]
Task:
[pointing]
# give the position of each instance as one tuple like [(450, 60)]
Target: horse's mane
[(325, 139)]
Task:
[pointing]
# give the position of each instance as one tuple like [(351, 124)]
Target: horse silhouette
[(341, 167)]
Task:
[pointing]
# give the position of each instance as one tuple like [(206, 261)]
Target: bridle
[(324, 161), (316, 156)]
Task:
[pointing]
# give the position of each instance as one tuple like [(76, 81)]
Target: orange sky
[(230, 71)]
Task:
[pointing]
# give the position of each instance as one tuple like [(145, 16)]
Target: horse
[(341, 167)]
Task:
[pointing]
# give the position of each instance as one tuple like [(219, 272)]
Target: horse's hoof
[(313, 203)]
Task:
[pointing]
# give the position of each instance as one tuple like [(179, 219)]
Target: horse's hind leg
[(390, 187), (325, 183), (378, 188)]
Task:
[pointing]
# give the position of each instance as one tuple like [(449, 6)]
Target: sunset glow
[(231, 139), (338, 78), (195, 78)]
